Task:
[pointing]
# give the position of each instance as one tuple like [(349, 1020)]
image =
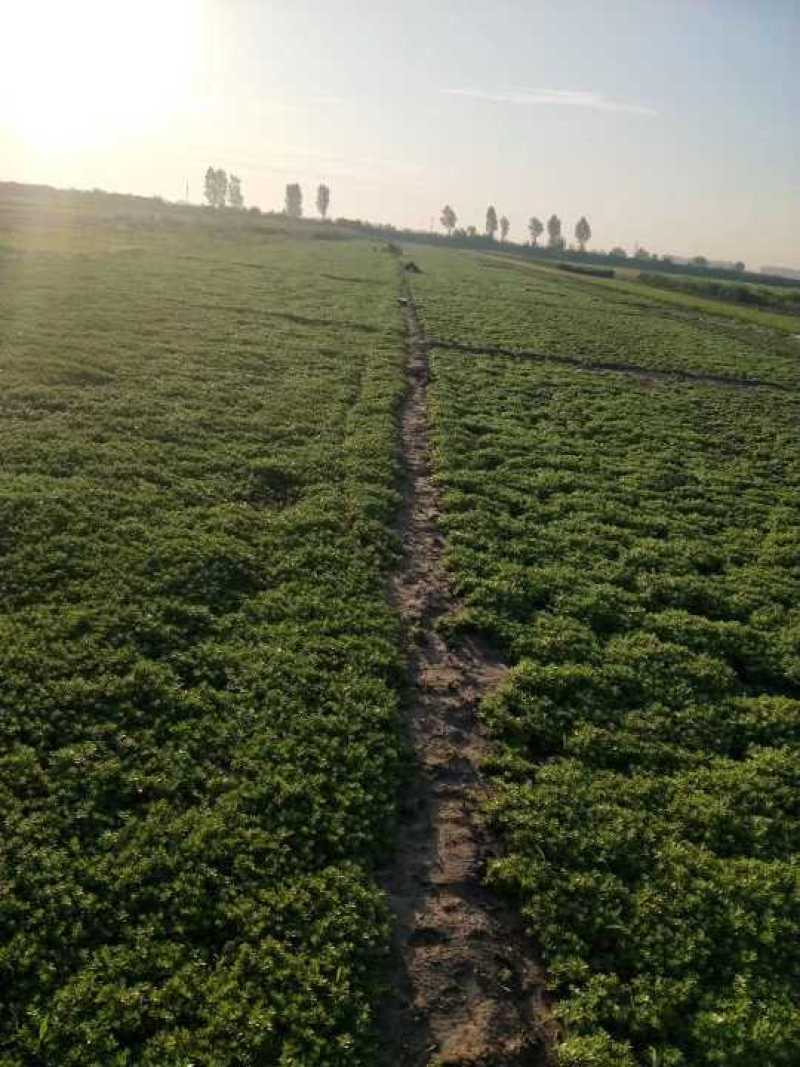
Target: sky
[(670, 124)]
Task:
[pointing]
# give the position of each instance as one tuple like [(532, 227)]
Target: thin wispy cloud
[(581, 98), (298, 161)]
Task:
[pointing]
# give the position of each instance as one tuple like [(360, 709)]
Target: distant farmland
[(786, 300), (207, 470)]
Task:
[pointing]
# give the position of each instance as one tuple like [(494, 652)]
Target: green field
[(202, 678), (633, 545), (199, 742), (495, 300), (776, 298)]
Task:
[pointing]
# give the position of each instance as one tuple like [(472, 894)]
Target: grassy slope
[(198, 750), (633, 547)]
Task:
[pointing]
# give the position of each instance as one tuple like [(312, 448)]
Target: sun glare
[(75, 76)]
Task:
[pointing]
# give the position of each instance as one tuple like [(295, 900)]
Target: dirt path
[(468, 989)]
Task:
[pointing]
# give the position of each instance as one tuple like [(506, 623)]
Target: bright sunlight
[(75, 76)]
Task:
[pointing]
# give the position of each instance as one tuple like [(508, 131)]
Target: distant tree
[(641, 253), (210, 186), (535, 229), (667, 259), (583, 232), (323, 200), (739, 267), (448, 219), (216, 187), (504, 228), (294, 201), (554, 238), (699, 261), (460, 232), (491, 222), (618, 253), (235, 198), (472, 231)]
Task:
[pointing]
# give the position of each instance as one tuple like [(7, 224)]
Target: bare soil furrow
[(468, 989)]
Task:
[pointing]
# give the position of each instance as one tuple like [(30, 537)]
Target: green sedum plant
[(631, 545), (198, 714)]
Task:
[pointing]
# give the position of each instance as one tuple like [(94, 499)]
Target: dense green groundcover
[(634, 547), (198, 743), (498, 301), (199, 751)]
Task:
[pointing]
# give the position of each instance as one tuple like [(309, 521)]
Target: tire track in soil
[(467, 988)]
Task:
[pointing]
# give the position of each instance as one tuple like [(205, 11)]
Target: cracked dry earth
[(467, 990)]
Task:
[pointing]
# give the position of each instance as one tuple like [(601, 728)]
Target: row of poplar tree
[(555, 239), (293, 204), (224, 190)]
